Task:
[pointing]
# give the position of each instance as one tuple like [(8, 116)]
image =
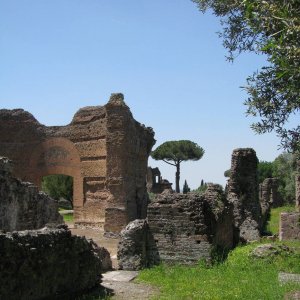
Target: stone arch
[(57, 156)]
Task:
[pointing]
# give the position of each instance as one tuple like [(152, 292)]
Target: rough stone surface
[(155, 183), (182, 228), (21, 205), (269, 197), (288, 277), (135, 249), (242, 193), (104, 149), (268, 250), (46, 263), (289, 227), (295, 295)]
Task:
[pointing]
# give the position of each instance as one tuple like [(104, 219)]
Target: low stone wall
[(289, 227), (48, 262), (22, 206), (180, 228)]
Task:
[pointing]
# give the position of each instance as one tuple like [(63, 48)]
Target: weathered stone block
[(289, 227), (242, 193), (47, 263)]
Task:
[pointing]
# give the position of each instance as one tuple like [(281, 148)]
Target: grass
[(273, 223), (68, 217), (240, 277)]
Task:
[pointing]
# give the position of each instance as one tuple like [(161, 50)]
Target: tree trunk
[(177, 177)]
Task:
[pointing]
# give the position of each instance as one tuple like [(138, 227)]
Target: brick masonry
[(104, 149)]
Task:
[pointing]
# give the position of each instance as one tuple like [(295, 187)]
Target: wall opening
[(61, 188)]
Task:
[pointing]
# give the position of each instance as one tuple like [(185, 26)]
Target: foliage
[(186, 188), (201, 189), (175, 152), (227, 173), (58, 186), (284, 170), (265, 170), (273, 223), (240, 277), (271, 28)]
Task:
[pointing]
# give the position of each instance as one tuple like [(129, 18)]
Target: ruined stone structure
[(104, 149), (47, 263), (268, 197), (289, 227), (155, 183), (21, 205), (242, 193), (182, 228)]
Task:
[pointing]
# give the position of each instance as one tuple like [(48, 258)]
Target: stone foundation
[(47, 263), (289, 227)]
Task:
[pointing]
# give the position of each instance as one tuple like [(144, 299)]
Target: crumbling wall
[(182, 228), (104, 149), (289, 227), (128, 147), (155, 183), (47, 263), (269, 197), (242, 193), (22, 206)]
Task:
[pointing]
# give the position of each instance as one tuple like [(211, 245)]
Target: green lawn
[(239, 277), (68, 217), (273, 223)]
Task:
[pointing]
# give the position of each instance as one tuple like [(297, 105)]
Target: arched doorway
[(58, 156)]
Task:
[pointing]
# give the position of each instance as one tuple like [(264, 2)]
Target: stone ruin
[(180, 228), (242, 193), (22, 206), (155, 183), (184, 228), (269, 197), (289, 227), (104, 149), (47, 262)]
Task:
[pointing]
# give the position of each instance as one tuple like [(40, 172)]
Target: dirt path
[(119, 287)]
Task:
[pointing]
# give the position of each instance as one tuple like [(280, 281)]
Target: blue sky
[(164, 56)]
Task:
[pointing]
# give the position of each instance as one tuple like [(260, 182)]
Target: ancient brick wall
[(104, 149), (21, 205), (242, 193), (180, 228), (47, 263)]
